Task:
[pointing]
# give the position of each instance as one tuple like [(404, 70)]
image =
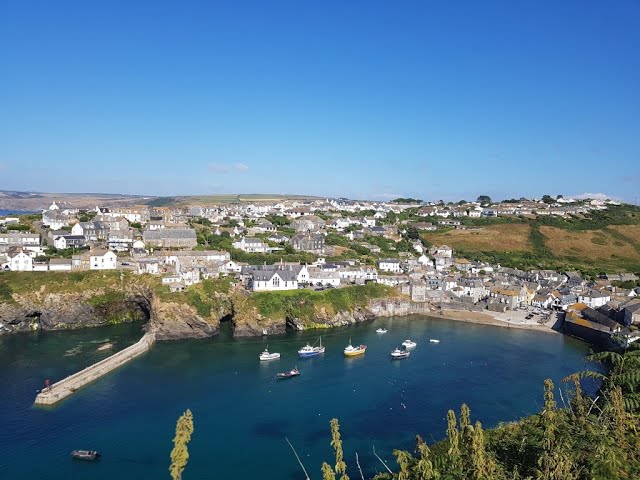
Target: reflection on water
[(242, 414)]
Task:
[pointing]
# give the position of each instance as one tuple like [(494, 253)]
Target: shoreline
[(486, 318)]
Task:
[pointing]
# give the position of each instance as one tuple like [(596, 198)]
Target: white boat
[(409, 344), (381, 330), (269, 356), (397, 354), (310, 351), (434, 340)]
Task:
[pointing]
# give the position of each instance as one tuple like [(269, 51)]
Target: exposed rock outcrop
[(68, 311), (173, 319)]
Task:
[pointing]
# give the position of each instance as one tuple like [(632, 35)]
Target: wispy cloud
[(386, 195), (593, 196), (228, 168)]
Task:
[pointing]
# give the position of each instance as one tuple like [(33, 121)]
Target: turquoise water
[(242, 414)]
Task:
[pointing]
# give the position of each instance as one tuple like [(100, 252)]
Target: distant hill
[(206, 200)]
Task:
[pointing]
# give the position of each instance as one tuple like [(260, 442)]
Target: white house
[(594, 298), (265, 280), (20, 262), (102, 260), (319, 276), (68, 241), (251, 245), (389, 265)]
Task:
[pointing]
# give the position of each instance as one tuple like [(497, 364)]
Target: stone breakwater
[(65, 387)]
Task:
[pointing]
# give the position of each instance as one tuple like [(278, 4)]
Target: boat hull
[(354, 353)]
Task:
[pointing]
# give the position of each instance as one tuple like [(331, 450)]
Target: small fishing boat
[(409, 344), (268, 356), (398, 354), (85, 455), (381, 330), (434, 340), (291, 373), (311, 351), (351, 351)]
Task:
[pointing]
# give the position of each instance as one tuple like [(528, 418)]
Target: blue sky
[(432, 99)]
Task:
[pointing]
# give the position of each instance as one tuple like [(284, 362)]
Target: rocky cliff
[(178, 317)]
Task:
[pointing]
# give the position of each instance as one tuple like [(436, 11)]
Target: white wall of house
[(21, 263), (276, 283), (108, 261), (389, 266)]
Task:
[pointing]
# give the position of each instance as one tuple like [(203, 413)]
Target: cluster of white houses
[(160, 242)]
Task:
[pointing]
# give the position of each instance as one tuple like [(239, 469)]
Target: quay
[(67, 386)]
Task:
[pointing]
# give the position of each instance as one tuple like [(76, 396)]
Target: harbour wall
[(69, 385)]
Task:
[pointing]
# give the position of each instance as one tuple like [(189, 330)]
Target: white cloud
[(228, 168), (592, 196)]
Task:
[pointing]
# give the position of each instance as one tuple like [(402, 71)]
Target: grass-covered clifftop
[(305, 304)]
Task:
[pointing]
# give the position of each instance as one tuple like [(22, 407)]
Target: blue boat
[(311, 351)]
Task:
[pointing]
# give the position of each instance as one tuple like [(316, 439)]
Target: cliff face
[(175, 321), (379, 307), (172, 319), (58, 311)]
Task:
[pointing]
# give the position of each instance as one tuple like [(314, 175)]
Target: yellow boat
[(351, 351)]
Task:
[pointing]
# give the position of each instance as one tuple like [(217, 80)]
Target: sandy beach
[(509, 319)]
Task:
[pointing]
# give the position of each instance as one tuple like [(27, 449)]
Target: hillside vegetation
[(606, 241), (304, 304)]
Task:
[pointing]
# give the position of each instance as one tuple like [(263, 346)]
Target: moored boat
[(269, 356), (85, 455), (351, 351), (397, 354), (311, 351), (409, 344), (434, 340), (381, 330), (294, 372)]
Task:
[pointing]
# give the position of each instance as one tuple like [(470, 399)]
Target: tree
[(484, 199), (180, 452), (548, 199)]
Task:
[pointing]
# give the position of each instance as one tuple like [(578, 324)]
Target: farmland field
[(493, 238)]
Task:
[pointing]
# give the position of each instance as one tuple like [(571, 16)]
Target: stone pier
[(67, 386)]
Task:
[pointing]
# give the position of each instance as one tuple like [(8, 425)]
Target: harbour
[(240, 409)]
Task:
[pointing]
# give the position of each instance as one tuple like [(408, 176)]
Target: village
[(322, 244)]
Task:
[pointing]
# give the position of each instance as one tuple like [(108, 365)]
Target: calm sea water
[(242, 414)]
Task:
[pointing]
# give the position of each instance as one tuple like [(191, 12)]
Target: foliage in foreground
[(588, 439), (180, 452)]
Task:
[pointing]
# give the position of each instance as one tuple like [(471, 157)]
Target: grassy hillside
[(303, 304), (606, 241)]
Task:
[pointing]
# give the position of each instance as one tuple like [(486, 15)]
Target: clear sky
[(365, 99)]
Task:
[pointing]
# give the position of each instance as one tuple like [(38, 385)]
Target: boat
[(409, 344), (291, 373), (397, 354), (269, 356), (351, 351), (311, 351), (434, 340), (381, 330), (85, 455)]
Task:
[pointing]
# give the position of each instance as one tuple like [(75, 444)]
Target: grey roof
[(266, 275), (169, 233), (60, 261)]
